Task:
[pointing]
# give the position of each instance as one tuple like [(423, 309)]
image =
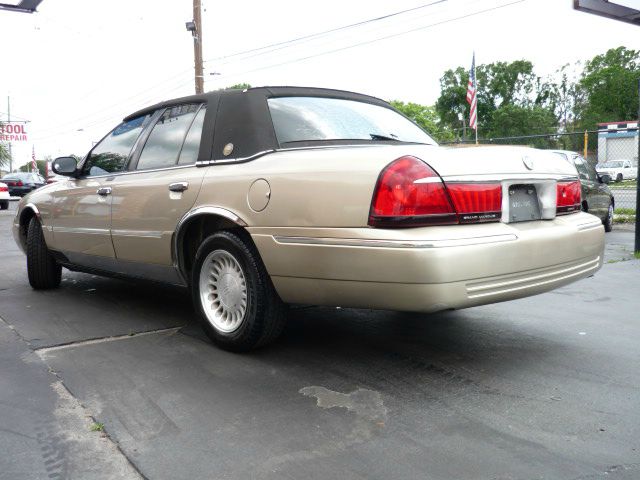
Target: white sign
[(13, 132)]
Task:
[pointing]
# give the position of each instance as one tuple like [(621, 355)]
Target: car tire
[(236, 302), (619, 177), (608, 220), (43, 270), (4, 205)]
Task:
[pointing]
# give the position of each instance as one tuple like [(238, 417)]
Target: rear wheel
[(608, 221), (42, 269), (619, 177), (237, 305), (4, 204)]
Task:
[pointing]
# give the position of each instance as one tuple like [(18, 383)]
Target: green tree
[(516, 120), (499, 85), (609, 85), (238, 86), (41, 164), (4, 155), (426, 117)]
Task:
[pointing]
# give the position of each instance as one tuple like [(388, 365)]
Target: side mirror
[(605, 178), (64, 166)]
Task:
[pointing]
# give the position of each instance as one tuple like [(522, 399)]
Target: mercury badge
[(528, 162)]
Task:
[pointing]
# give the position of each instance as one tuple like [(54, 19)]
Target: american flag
[(471, 96), (34, 165)]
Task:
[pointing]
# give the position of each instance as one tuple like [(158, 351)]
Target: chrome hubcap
[(223, 291)]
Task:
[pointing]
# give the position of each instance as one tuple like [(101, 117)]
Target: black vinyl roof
[(242, 117), (265, 92)]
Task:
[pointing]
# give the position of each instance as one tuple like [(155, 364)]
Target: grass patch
[(624, 184), (637, 255), (97, 427), (625, 211)]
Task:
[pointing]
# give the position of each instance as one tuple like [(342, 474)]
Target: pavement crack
[(44, 351)]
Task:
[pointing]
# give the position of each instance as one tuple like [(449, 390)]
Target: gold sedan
[(254, 199)]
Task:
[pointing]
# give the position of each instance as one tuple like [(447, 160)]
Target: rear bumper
[(20, 191), (430, 269)]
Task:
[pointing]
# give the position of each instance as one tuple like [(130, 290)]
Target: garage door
[(621, 148)]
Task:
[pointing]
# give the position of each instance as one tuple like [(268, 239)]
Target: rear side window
[(304, 119), (191, 147), (112, 152), (163, 146)]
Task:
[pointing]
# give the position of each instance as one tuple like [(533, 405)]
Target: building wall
[(617, 141)]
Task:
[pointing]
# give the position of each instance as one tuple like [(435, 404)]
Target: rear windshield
[(18, 176), (308, 119), (612, 165)]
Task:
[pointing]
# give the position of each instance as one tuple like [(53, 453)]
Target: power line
[(378, 39), (318, 34)]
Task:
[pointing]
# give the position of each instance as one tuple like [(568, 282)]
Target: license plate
[(523, 203)]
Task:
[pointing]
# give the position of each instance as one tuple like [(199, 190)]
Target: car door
[(629, 171), (160, 187), (81, 213), (589, 186)]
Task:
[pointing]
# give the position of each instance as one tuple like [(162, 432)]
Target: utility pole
[(197, 46), (9, 121), (637, 242)]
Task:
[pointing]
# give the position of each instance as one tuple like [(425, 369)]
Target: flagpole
[(476, 79)]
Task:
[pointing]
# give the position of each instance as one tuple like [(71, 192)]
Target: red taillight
[(3, 188), (568, 197), (19, 183), (476, 202), (409, 192)]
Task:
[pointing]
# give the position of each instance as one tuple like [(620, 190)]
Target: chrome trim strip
[(139, 233), (133, 172), (428, 180), (540, 276), (83, 230), (590, 225), (520, 177), (360, 242), (176, 239), (204, 163), (32, 207), (538, 284)]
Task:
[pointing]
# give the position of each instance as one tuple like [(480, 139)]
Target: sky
[(75, 68)]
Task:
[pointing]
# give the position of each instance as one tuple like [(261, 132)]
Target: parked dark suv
[(22, 183), (597, 198)]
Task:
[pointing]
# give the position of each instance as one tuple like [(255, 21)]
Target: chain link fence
[(612, 150)]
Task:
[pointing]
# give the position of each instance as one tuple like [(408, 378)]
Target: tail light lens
[(476, 202), (19, 183), (568, 198), (3, 188), (410, 193)]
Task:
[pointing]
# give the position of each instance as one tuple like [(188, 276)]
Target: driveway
[(544, 387)]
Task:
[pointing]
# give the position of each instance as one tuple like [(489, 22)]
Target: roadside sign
[(13, 132)]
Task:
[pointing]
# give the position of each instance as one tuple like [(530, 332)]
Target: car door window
[(582, 168), (112, 152), (191, 147), (163, 146)]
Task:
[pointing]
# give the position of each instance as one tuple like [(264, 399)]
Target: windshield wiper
[(377, 136)]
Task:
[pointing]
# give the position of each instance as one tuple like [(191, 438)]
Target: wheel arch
[(28, 212), (194, 227)]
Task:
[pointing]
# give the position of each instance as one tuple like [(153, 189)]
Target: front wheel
[(236, 303), (43, 270), (608, 221), (619, 177)]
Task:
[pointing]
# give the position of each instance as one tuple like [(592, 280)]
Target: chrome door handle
[(178, 186), (104, 191)]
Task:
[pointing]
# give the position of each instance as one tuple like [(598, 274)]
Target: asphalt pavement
[(106, 378)]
